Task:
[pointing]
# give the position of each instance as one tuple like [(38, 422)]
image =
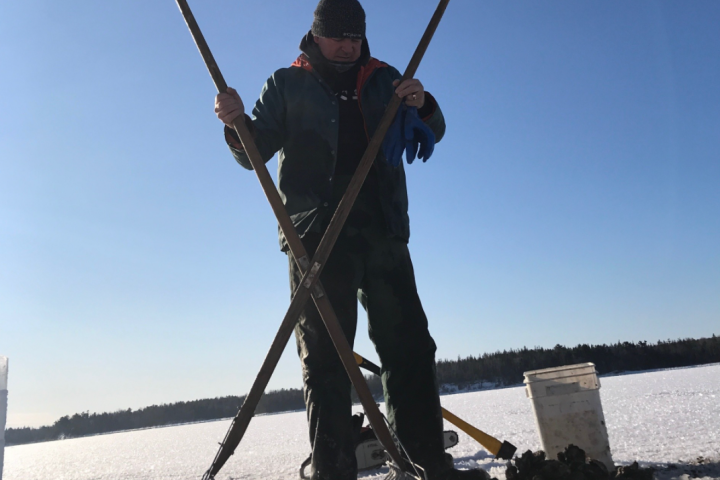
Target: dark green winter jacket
[(297, 115)]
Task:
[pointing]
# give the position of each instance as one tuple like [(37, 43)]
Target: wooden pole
[(241, 421), (309, 285)]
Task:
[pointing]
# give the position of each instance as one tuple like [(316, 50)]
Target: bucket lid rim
[(564, 368)]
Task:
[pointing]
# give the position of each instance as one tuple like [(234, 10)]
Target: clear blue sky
[(574, 199)]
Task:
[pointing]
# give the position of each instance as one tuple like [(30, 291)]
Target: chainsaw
[(370, 453)]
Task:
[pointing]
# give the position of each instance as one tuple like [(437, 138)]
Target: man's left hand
[(412, 91)]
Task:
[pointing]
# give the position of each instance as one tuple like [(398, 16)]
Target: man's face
[(340, 49)]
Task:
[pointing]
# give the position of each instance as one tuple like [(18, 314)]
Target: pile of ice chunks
[(572, 464)]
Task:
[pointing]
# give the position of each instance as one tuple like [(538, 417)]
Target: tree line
[(85, 423), (498, 369), (507, 367)]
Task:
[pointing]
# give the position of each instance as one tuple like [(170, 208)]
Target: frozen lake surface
[(656, 418)]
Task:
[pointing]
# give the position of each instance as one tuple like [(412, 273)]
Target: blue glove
[(408, 133), (417, 133)]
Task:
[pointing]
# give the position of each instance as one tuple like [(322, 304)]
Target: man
[(319, 114)]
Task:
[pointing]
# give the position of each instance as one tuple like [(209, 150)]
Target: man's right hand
[(229, 106)]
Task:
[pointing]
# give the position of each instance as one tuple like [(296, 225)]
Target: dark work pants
[(366, 264)]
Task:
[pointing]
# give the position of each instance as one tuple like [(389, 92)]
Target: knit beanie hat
[(339, 19)]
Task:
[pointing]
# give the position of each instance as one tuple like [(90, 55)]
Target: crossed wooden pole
[(310, 285)]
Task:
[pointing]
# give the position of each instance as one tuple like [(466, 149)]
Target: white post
[(3, 408)]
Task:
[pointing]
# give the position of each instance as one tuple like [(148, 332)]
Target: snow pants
[(368, 265)]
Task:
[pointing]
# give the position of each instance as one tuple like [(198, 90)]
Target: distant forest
[(496, 369)]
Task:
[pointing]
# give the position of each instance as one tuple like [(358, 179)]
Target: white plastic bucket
[(3, 408), (566, 402)]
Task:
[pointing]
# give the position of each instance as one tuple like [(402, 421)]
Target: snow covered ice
[(656, 418)]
